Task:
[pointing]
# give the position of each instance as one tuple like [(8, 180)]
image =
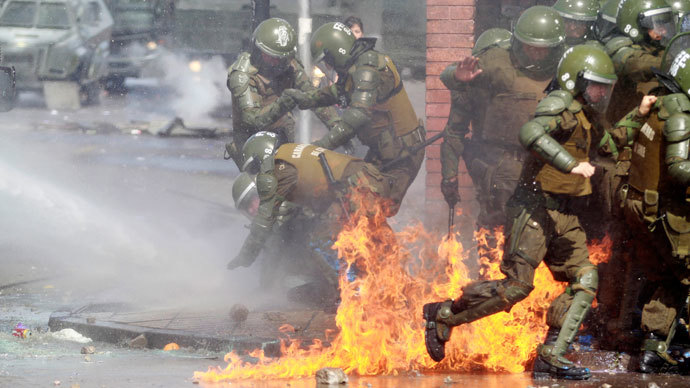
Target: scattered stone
[(369, 385), (87, 358), (239, 313), (88, 350), (139, 342), (56, 382), (331, 376), (90, 320), (605, 385), (652, 385), (448, 380)]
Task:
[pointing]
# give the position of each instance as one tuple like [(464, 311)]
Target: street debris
[(21, 331), (652, 385), (239, 313), (605, 385), (331, 376), (171, 346), (138, 342), (70, 335), (448, 380), (88, 350), (90, 320)]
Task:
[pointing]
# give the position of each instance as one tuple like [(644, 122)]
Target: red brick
[(436, 123), (435, 69), (432, 194), (448, 54), (437, 110), (433, 151), (433, 179), (438, 96), (433, 82), (449, 40), (461, 12), (438, 12), (432, 165), (450, 26), (449, 2)]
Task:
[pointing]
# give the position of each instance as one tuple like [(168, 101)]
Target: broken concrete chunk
[(139, 342), (652, 385), (70, 335), (331, 376), (605, 385), (448, 380), (88, 350)]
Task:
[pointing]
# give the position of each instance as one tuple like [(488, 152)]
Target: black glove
[(449, 188), (286, 103)]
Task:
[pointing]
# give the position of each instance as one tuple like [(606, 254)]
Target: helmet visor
[(596, 90), (577, 31), (248, 201), (272, 65), (684, 23), (533, 58), (604, 27), (660, 23)]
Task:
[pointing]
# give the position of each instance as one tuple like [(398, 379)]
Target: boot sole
[(434, 346)]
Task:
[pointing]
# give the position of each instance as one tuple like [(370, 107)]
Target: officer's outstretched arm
[(253, 114), (534, 137), (677, 136), (262, 224)]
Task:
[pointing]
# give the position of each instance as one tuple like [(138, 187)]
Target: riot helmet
[(681, 9), (647, 20), (675, 62), (259, 147), (332, 43), (245, 195), (538, 39), (587, 71), (605, 26), (579, 17), (493, 37), (274, 44)]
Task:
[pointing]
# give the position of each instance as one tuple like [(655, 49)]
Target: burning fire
[(381, 329)]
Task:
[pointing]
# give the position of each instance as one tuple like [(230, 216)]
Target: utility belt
[(414, 137), (390, 146), (673, 215)]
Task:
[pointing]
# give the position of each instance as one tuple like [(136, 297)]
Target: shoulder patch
[(617, 43), (555, 103), (677, 127)]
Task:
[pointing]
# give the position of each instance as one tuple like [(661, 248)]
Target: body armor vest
[(578, 145), (393, 111), (311, 181), (509, 110), (647, 171)]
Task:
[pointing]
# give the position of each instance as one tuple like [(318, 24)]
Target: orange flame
[(381, 329)]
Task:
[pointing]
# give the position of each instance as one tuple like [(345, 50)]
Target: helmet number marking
[(679, 63), (342, 27), (342, 51)]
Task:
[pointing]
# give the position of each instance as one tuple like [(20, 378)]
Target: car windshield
[(19, 14), (52, 15)]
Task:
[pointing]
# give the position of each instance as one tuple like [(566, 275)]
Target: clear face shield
[(248, 201), (577, 31), (604, 26), (660, 25), (272, 66), (596, 90), (543, 59)]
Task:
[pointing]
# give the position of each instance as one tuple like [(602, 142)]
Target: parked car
[(57, 42)]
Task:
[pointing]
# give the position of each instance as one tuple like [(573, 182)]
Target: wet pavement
[(114, 231)]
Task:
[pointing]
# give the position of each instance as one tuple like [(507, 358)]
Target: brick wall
[(449, 36)]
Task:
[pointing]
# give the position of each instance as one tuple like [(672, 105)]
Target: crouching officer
[(257, 80), (655, 202), (378, 111), (294, 172), (544, 225)]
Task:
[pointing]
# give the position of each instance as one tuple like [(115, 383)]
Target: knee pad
[(587, 280)]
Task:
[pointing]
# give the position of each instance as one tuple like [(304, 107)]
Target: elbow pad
[(534, 138)]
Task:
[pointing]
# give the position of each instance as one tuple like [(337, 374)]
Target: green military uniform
[(496, 103), (377, 110), (257, 84), (544, 223), (292, 172), (655, 205)]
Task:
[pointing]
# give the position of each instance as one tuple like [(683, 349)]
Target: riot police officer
[(378, 111), (497, 92), (257, 80), (655, 202), (544, 223), (579, 17)]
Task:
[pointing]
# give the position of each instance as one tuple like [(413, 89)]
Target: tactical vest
[(647, 171), (311, 181), (578, 145), (509, 110), (391, 113)]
